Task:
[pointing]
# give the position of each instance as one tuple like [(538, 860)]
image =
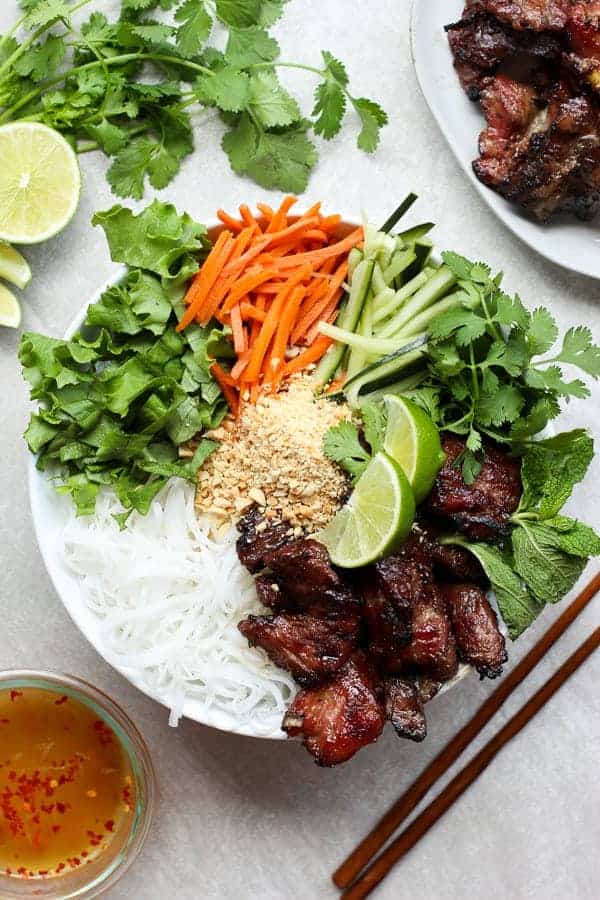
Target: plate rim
[(490, 198)]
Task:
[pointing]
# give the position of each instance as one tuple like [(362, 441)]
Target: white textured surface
[(241, 818)]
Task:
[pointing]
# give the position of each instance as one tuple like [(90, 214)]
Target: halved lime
[(413, 441), (376, 518), (10, 308), (39, 182), (13, 266)]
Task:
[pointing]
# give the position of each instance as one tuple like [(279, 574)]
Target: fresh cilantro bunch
[(353, 447), (127, 87), (546, 552), (493, 369), (118, 399)]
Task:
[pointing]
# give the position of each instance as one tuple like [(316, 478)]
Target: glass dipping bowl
[(102, 873)]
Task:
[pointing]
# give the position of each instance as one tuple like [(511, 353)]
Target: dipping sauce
[(66, 785)]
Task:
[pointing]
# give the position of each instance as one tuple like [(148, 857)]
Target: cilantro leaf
[(542, 331), (250, 46), (270, 11), (458, 265), (195, 27), (465, 325), (335, 68), (239, 13), (342, 444), (579, 350), (329, 108), (42, 60), (270, 102), (127, 173), (46, 13), (228, 89), (503, 405), (374, 423), (274, 160), (372, 118)]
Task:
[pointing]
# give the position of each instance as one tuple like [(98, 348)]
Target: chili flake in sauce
[(66, 784)]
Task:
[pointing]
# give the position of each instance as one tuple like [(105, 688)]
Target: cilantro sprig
[(126, 88), (353, 447), (493, 368)]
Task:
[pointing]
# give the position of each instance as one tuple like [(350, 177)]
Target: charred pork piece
[(432, 647), (481, 510), (545, 159), (306, 578), (339, 717), (534, 15), (480, 44), (479, 639), (404, 708), (583, 30), (427, 687), (257, 538), (311, 648), (390, 589), (269, 593), (450, 562)]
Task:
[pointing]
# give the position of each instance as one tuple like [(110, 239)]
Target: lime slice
[(413, 441), (39, 182), (14, 267), (10, 308), (376, 518)]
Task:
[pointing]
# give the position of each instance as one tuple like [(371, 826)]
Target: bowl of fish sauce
[(76, 788)]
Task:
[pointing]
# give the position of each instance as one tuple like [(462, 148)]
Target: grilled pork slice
[(545, 157), (311, 648), (535, 15), (475, 625), (583, 30), (481, 43), (269, 593), (258, 538), (306, 578), (481, 510), (449, 561), (432, 649), (427, 687), (339, 717), (404, 708)]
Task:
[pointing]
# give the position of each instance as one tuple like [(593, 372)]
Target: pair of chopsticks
[(348, 877)]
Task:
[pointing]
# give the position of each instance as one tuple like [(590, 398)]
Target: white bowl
[(50, 512), (573, 244)]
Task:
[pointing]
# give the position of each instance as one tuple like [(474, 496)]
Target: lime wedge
[(14, 267), (376, 518), (39, 182), (10, 308), (413, 441)]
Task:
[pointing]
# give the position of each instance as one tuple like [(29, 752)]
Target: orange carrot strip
[(222, 285), (303, 224), (328, 315), (233, 224), (237, 329), (223, 379), (267, 211), (279, 220), (261, 345), (314, 234), (312, 354), (329, 223), (253, 278), (313, 315), (240, 365), (238, 265), (271, 287), (315, 257), (247, 216), (286, 323), (251, 312), (206, 277), (254, 389)]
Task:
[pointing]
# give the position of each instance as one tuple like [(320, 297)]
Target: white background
[(240, 818)]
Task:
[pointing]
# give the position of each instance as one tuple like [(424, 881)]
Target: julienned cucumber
[(385, 369), (348, 319), (434, 289)]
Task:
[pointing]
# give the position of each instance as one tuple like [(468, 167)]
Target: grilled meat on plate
[(312, 648), (404, 708), (480, 641), (340, 716), (258, 538), (306, 578)]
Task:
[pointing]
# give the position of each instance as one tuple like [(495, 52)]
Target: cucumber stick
[(434, 289)]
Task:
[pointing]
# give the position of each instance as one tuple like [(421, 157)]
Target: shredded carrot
[(232, 224), (273, 278), (206, 277), (237, 330)]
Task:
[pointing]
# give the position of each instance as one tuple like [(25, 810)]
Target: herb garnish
[(342, 442), (118, 399), (92, 85)]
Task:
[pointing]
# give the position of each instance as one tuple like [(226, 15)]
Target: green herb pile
[(117, 400), (127, 87)]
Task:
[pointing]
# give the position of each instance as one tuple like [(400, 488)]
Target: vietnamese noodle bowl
[(169, 596)]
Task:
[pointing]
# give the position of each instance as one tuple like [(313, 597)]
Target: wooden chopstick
[(459, 784), (372, 843)]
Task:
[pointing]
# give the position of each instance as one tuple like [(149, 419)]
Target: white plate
[(50, 512), (566, 241)]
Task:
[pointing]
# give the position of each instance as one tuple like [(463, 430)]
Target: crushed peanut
[(274, 458)]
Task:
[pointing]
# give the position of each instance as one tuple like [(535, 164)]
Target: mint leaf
[(551, 468), (195, 27), (372, 118), (574, 537), (549, 572)]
